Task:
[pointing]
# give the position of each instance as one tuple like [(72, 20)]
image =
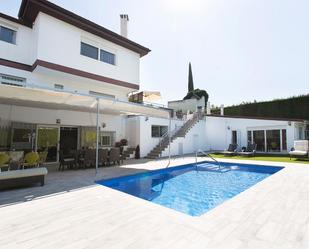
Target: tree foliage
[(199, 93), (190, 79)]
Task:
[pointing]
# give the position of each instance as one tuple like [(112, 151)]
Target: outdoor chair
[(300, 149), (43, 157), (231, 151), (114, 156), (249, 151), (89, 160), (68, 162), (4, 161), (16, 159), (103, 157), (31, 159)]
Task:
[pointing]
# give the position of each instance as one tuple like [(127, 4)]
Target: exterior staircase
[(181, 132)]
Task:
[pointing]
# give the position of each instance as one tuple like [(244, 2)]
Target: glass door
[(47, 140)]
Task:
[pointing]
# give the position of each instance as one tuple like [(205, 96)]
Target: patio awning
[(62, 100)]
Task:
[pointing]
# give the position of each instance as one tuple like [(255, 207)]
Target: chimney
[(222, 110), (124, 18)]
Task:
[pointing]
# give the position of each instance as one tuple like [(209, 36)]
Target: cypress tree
[(190, 79)]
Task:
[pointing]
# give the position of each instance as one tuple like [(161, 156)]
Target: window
[(158, 131), (89, 51), (106, 141), (21, 135), (249, 136), (59, 86), (7, 35), (234, 137), (107, 57), (98, 94), (273, 140), (107, 138), (12, 80), (93, 52)]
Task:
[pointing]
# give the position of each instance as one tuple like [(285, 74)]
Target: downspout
[(97, 140)]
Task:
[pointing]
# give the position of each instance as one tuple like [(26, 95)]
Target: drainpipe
[(97, 141)]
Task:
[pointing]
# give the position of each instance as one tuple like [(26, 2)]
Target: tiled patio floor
[(70, 211)]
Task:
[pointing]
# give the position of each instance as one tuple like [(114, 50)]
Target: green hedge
[(291, 108)]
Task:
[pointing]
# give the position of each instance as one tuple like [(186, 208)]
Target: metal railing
[(208, 155)]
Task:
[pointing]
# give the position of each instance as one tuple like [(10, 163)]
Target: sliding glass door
[(259, 139), (268, 140), (273, 140)]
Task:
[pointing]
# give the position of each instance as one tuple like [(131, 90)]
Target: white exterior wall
[(59, 43), (218, 136), (24, 49), (68, 118), (193, 141), (147, 143), (186, 105), (133, 131)]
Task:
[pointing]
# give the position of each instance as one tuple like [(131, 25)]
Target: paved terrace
[(70, 211)]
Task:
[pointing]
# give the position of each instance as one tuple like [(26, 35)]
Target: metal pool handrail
[(208, 155)]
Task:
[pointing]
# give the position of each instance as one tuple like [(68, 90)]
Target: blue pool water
[(194, 188)]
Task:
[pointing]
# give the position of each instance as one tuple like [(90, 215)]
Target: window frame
[(14, 31), (89, 45), (160, 130), (108, 53)]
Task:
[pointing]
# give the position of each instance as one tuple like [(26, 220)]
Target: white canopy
[(60, 100)]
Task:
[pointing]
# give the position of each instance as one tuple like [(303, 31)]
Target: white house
[(54, 64), (58, 69)]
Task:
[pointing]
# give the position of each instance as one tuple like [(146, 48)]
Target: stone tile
[(71, 211)]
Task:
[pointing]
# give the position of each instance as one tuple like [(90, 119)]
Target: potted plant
[(118, 144)]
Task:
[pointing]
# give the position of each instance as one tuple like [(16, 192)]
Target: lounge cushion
[(298, 153), (14, 174)]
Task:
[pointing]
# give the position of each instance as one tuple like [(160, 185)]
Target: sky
[(240, 50)]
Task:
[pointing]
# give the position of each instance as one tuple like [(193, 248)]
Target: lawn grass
[(271, 158)]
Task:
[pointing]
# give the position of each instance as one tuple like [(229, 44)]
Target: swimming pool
[(192, 189)]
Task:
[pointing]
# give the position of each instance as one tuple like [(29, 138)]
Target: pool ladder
[(208, 155)]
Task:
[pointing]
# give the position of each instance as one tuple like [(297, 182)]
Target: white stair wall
[(195, 139)]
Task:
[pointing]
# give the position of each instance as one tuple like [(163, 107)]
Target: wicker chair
[(32, 159), (4, 161), (89, 160), (114, 156), (103, 157)]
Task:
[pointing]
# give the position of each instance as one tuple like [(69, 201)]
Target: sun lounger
[(249, 151), (301, 149), (231, 151)]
